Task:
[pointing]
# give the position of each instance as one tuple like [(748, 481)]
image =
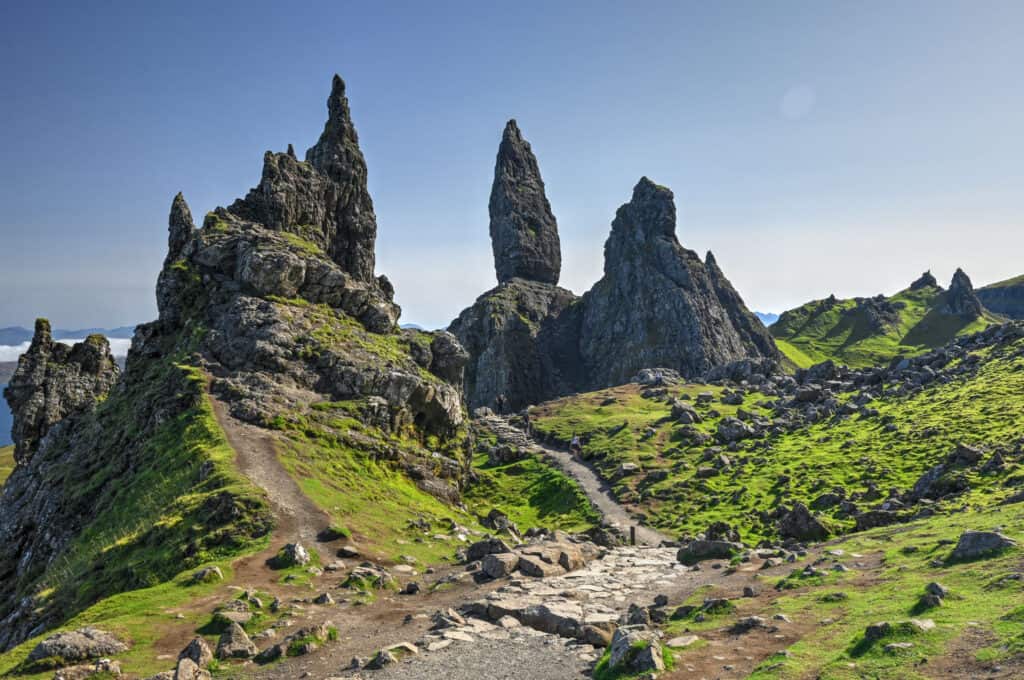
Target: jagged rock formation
[(960, 298), (54, 381), (1004, 297), (272, 305), (926, 280), (524, 233), (520, 336), (658, 304), (325, 199)]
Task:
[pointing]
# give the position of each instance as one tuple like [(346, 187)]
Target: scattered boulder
[(234, 643), (499, 565), (635, 649), (208, 575), (291, 555), (187, 669), (800, 524), (105, 667), (77, 645), (975, 544), (488, 546), (198, 652)]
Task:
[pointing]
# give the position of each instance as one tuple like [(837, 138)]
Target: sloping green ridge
[(844, 331), (6, 463), (162, 498)]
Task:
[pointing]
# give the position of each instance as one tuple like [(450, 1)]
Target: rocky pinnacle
[(961, 299), (524, 233)]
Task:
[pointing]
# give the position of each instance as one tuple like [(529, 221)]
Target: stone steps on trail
[(597, 596)]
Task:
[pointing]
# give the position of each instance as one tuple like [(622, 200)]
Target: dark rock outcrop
[(521, 339), (54, 381), (658, 304), (961, 299), (323, 200), (524, 233), (926, 280)]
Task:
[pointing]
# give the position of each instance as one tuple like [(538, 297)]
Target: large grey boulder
[(77, 645), (974, 544), (234, 643), (635, 649), (800, 524)]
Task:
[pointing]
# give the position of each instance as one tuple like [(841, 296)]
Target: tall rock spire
[(324, 200), (961, 298), (524, 233), (658, 304)]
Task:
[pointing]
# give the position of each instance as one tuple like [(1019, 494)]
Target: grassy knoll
[(870, 332), (683, 485)]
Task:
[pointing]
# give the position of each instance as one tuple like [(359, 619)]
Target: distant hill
[(767, 318), (871, 331), (15, 335), (1005, 297)]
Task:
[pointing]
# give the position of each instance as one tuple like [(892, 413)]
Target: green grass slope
[(868, 332), (680, 490), (6, 463)]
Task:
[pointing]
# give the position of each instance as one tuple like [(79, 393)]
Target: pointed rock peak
[(338, 147), (651, 212), (291, 151), (926, 280), (646, 190), (961, 298), (524, 232), (710, 262), (43, 336), (179, 227), (961, 281)]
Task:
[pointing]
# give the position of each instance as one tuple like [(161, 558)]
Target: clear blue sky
[(816, 147)]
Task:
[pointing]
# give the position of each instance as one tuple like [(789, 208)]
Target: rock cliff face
[(521, 338), (54, 381), (658, 305), (1005, 297), (272, 306), (524, 233)]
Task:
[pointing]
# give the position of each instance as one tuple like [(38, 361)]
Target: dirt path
[(298, 517), (597, 489)]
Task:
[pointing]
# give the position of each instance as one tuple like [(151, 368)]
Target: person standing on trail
[(574, 445)]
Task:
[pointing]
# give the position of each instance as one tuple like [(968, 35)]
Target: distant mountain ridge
[(15, 335), (869, 331)]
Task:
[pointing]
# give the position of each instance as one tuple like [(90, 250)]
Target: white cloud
[(118, 347)]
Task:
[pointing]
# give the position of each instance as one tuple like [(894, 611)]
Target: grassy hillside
[(6, 463), (977, 627), (870, 331), (684, 483)]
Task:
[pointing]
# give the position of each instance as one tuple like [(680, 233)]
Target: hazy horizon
[(816, 149)]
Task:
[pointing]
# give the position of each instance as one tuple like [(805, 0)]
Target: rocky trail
[(297, 516), (596, 489)]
